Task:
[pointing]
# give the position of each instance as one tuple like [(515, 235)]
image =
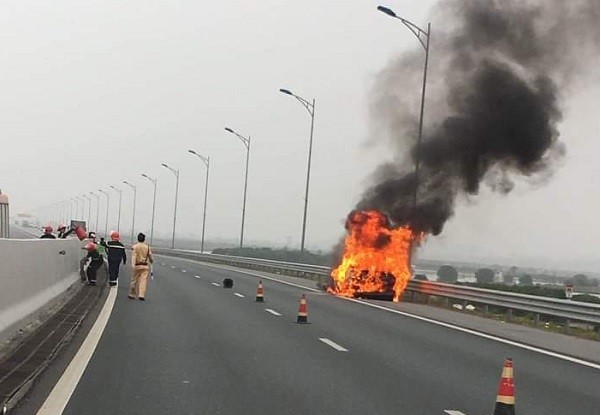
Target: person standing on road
[(141, 259), (102, 246), (47, 233), (116, 255)]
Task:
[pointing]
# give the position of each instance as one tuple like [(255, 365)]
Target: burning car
[(376, 258)]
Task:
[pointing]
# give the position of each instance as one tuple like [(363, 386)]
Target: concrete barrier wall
[(34, 272)]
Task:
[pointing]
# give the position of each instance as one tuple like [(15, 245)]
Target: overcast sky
[(94, 93)]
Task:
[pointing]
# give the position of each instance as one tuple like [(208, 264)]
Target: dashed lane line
[(333, 344), (270, 311), (216, 284), (239, 295), (183, 270), (451, 326), (453, 412), (197, 276)]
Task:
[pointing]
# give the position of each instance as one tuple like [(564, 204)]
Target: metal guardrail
[(567, 310)]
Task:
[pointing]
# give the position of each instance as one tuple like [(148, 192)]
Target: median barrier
[(33, 274)]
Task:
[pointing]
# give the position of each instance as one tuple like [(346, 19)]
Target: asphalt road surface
[(16, 232), (196, 348)]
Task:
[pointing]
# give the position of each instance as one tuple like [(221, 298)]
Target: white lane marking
[(197, 276), (479, 334), (453, 412), (59, 397), (275, 313), (183, 270), (243, 271), (332, 344), (239, 295), (426, 319), (173, 266), (216, 284), (162, 263)]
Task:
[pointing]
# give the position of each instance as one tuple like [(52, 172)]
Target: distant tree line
[(485, 278), (280, 254)]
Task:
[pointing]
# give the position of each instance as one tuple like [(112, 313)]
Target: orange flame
[(376, 257)]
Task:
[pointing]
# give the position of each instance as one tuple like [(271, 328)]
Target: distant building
[(4, 220)]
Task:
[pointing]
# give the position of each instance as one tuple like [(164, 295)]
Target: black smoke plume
[(499, 70)]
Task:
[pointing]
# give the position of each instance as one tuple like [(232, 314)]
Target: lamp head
[(387, 11)]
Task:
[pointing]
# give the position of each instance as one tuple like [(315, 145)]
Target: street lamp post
[(61, 211), (310, 107), (67, 204), (419, 33), (120, 200), (154, 199), (106, 223), (89, 199), (97, 208), (83, 207), (76, 201), (246, 142), (133, 215), (207, 163), (176, 173)]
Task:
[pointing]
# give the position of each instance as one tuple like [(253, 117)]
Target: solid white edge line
[(275, 313), (239, 295), (480, 334), (58, 399), (333, 344), (426, 319)]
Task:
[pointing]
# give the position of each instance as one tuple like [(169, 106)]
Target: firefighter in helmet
[(63, 232), (48, 233), (95, 261), (116, 255)]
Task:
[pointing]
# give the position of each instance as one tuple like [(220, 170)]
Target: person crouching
[(95, 261), (140, 261)]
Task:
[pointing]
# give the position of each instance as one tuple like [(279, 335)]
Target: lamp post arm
[(308, 106)]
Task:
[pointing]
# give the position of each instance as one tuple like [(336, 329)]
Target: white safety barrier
[(33, 273)]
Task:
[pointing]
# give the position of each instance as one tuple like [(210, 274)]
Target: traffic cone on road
[(505, 404), (302, 311), (260, 298)]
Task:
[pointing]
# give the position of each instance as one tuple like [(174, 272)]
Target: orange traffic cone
[(302, 311), (505, 404), (259, 298)]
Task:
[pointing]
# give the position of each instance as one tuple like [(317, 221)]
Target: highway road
[(196, 348), (16, 232)]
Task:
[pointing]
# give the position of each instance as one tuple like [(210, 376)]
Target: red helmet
[(91, 247), (115, 235), (48, 229)]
